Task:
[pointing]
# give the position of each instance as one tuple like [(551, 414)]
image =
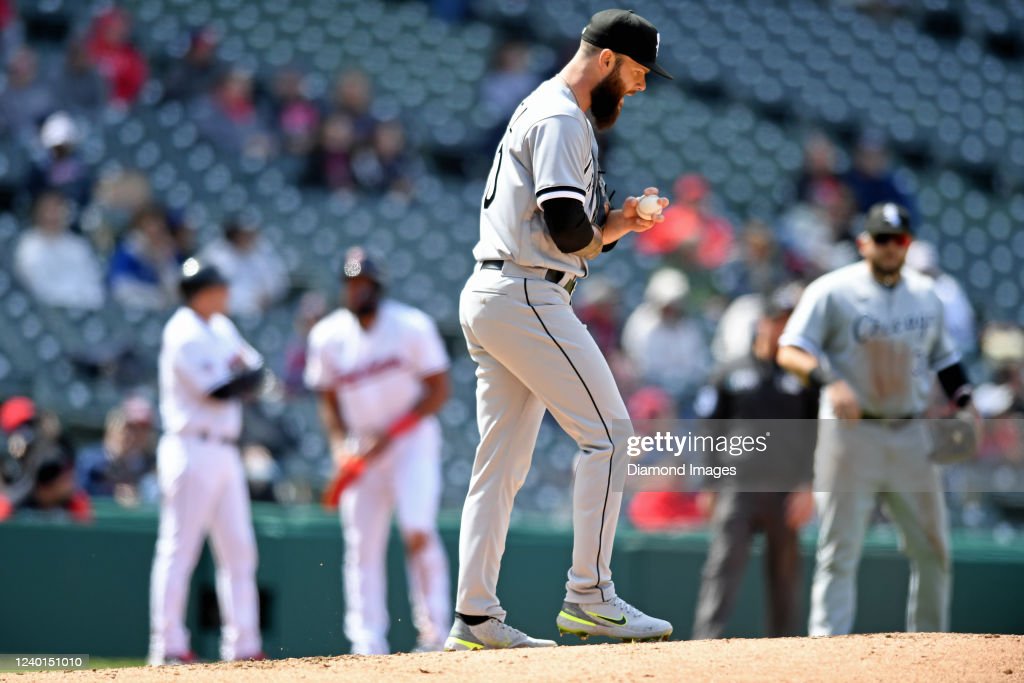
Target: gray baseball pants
[(855, 464), (533, 354)]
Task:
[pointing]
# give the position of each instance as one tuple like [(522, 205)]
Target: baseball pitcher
[(543, 218)]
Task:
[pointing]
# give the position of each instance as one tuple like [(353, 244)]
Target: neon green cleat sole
[(583, 635)]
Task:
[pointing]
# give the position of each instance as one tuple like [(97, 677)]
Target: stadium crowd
[(88, 237)]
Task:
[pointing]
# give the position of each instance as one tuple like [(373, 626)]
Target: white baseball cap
[(58, 129), (667, 286)]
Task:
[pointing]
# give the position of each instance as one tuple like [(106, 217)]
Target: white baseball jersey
[(196, 357), (549, 150), (886, 343), (377, 372), (378, 376), (202, 487)]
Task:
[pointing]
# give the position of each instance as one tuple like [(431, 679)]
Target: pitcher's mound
[(927, 657)]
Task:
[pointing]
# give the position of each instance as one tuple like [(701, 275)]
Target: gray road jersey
[(885, 343), (549, 150)]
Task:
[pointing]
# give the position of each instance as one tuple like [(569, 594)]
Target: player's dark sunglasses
[(901, 239)]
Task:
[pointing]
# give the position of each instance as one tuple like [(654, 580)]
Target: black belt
[(872, 416), (551, 276), (886, 421), (213, 438)]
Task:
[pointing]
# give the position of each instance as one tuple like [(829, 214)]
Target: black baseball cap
[(888, 218), (622, 31), (783, 300), (196, 276), (359, 262)]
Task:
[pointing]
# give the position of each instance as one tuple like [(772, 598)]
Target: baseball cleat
[(613, 619), (490, 635), (174, 660), (258, 657), (428, 646)]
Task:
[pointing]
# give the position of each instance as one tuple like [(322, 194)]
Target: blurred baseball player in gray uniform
[(871, 334), (544, 216)]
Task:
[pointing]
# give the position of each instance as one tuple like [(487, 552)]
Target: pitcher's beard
[(606, 100)]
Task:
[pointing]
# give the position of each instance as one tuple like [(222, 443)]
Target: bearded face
[(606, 99), (362, 296), (885, 259)]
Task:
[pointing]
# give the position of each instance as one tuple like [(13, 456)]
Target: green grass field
[(94, 663)]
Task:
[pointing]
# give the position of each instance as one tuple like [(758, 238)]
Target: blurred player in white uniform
[(206, 370), (382, 372)]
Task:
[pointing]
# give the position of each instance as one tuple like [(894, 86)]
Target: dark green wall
[(84, 589)]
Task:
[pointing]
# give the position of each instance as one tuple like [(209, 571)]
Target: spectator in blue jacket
[(123, 465), (873, 180), (61, 166), (144, 267)]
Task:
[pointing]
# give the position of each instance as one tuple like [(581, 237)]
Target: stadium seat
[(750, 78)]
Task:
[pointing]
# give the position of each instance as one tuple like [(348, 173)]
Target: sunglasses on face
[(900, 239)]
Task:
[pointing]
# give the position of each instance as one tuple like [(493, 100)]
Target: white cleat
[(613, 619), (429, 646), (490, 635)]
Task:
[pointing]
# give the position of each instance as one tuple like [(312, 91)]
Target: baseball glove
[(955, 438)]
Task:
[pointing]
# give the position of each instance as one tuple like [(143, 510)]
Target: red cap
[(80, 507), (691, 188), (649, 403), (16, 412)]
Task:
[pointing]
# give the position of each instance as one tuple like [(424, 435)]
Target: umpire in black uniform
[(771, 493)]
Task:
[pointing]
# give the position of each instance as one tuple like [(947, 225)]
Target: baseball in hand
[(648, 206)]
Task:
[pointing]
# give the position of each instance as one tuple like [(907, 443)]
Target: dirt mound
[(905, 657)]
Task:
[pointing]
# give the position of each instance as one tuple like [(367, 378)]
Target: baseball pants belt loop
[(558, 277)]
